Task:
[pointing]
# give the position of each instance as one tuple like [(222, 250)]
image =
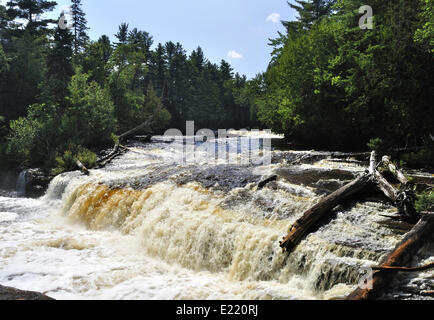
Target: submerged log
[(400, 256), (263, 183), (313, 215)]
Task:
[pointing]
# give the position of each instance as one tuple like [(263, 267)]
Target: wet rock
[(8, 179), (7, 293), (311, 177), (328, 186), (222, 177), (37, 182)]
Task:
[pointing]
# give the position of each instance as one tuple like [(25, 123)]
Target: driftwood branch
[(401, 255)]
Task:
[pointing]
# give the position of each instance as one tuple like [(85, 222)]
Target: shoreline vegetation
[(330, 85)]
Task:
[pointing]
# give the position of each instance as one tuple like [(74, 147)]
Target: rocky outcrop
[(37, 182), (7, 293)]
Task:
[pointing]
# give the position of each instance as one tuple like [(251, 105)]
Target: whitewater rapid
[(148, 228)]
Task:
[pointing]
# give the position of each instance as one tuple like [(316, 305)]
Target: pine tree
[(79, 24), (31, 10), (122, 34), (311, 11), (59, 68)]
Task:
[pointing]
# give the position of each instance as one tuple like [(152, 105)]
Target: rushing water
[(146, 227)]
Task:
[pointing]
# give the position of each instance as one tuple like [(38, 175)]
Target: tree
[(31, 11), (79, 25), (425, 33), (334, 85), (96, 58), (312, 11), (26, 71), (33, 139), (59, 68), (158, 69), (89, 120), (4, 20), (122, 34)]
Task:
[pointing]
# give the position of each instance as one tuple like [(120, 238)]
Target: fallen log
[(303, 225), (396, 172), (118, 149), (145, 125), (403, 200), (82, 167), (400, 256)]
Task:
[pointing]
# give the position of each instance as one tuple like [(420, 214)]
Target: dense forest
[(329, 84), (63, 95), (332, 84)]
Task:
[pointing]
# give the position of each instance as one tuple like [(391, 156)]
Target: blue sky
[(235, 30)]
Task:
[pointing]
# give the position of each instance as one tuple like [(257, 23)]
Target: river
[(149, 227)]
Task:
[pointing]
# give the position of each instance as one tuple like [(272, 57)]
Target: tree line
[(329, 84), (63, 95), (332, 84)]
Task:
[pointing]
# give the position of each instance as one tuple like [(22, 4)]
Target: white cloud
[(274, 17), (234, 55)]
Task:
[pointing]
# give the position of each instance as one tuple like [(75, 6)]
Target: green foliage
[(425, 202), (79, 26), (425, 33), (90, 119), (331, 84), (27, 10), (20, 85), (422, 158), (33, 139), (67, 161), (376, 144)]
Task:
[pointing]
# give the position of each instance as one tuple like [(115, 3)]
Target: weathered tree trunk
[(118, 148), (401, 256), (82, 167), (396, 172), (144, 125), (403, 200), (117, 151), (312, 216)]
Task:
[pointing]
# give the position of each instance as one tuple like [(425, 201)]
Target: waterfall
[(22, 183), (145, 227)]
